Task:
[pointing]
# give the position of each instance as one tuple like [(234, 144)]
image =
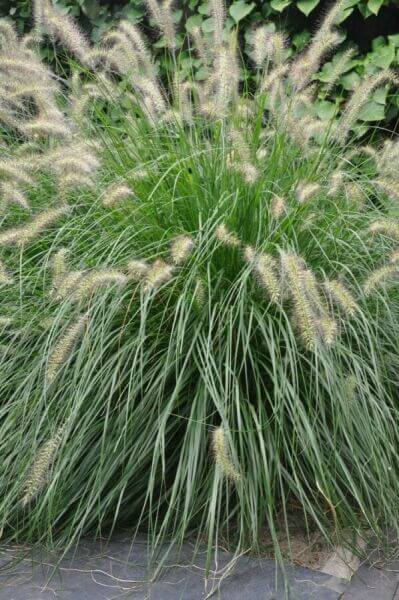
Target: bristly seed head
[(266, 269), (91, 281), (115, 194), (137, 270), (305, 191), (24, 234), (181, 248), (305, 317), (5, 278), (387, 227), (222, 455), (341, 295), (159, 272), (379, 277), (225, 237), (39, 471), (278, 207), (63, 348)]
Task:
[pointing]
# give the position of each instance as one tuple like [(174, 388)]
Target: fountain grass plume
[(39, 472), (252, 274), (63, 348), (222, 456)]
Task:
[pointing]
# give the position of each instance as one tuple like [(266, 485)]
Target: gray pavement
[(118, 570)]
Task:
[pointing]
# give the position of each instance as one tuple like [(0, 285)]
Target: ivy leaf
[(280, 5), (378, 42), (374, 6), (204, 8), (380, 95), (325, 110), (201, 74), (91, 9), (239, 10), (382, 57), (350, 81), (300, 40), (364, 9), (193, 21), (345, 12), (328, 72), (306, 6), (133, 14), (177, 15), (208, 25), (372, 111), (359, 130)]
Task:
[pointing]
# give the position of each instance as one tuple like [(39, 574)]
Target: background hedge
[(371, 26)]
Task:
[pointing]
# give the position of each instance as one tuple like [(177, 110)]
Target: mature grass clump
[(199, 310)]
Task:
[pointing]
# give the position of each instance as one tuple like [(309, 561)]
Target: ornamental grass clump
[(191, 272)]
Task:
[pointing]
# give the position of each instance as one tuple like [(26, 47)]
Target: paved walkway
[(118, 570)]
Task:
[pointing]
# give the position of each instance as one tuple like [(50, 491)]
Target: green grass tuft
[(190, 346)]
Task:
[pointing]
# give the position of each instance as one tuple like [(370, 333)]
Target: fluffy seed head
[(272, 78), (45, 127), (249, 172), (11, 194), (342, 296), (137, 270), (268, 46), (218, 13), (22, 235), (90, 282), (250, 255), (222, 85), (394, 257), (304, 315), (163, 17), (181, 248), (222, 455), (138, 43), (308, 63), (311, 289), (355, 194), (390, 187), (39, 471), (5, 321), (261, 154), (5, 278), (387, 227), (61, 28), (200, 293), (358, 99), (266, 270), (339, 67), (305, 191), (278, 207), (59, 265), (64, 347), (379, 277), (115, 194), (65, 285), (225, 237), (72, 181), (15, 170), (159, 272), (335, 183), (328, 330)]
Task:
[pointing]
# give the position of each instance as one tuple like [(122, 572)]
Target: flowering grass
[(199, 304)]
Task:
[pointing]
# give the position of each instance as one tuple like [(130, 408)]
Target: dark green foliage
[(369, 27)]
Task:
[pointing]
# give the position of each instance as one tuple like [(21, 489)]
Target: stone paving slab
[(374, 580), (119, 570)]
